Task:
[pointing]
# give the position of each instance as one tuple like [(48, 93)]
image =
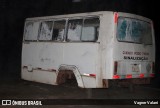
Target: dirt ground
[(21, 89)]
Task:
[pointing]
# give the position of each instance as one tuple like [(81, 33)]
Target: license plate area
[(135, 68)]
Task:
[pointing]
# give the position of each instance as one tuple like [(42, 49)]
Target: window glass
[(133, 30), (58, 30), (46, 30), (90, 29), (31, 30), (74, 30)]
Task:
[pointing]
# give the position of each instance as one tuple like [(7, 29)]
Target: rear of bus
[(133, 48)]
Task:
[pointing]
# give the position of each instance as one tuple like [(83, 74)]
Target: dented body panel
[(51, 52)]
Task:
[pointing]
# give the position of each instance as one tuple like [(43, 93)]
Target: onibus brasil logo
[(19, 102)]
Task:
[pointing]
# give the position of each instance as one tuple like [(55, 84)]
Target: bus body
[(95, 47)]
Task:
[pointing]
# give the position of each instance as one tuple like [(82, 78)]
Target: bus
[(94, 48)]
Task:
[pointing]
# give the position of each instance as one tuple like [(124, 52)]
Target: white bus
[(93, 47)]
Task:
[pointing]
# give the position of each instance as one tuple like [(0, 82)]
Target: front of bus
[(134, 47)]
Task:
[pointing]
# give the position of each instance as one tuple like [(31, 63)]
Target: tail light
[(152, 75), (141, 75), (116, 76)]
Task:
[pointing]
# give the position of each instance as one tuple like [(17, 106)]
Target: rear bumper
[(129, 76)]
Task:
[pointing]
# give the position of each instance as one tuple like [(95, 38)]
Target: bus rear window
[(134, 30)]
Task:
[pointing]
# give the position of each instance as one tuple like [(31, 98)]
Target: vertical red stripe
[(115, 17)]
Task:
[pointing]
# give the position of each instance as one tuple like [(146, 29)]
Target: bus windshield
[(134, 30)]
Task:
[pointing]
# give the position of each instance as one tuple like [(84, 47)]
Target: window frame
[(65, 35)]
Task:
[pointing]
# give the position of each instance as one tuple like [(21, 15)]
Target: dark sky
[(14, 12)]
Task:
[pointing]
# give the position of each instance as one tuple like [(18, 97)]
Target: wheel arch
[(76, 72)]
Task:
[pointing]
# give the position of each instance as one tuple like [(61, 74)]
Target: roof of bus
[(71, 15), (87, 14)]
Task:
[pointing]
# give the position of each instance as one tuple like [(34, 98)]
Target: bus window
[(46, 30), (133, 30), (31, 31), (58, 30), (74, 30), (90, 29)]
